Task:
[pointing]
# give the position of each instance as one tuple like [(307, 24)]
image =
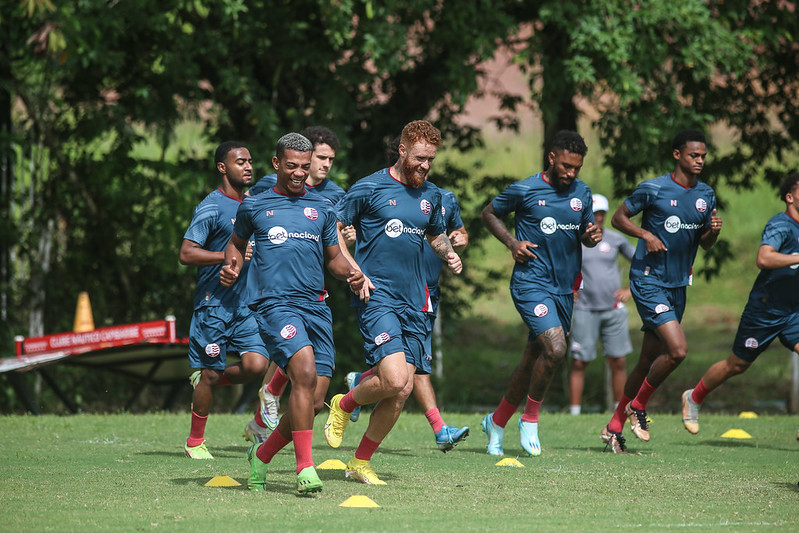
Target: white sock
[(574, 409)]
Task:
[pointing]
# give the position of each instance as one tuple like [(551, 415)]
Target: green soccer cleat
[(256, 482), (197, 452), (336, 423), (308, 481), (194, 379)]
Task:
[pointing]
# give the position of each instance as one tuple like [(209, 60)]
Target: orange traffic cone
[(84, 321)]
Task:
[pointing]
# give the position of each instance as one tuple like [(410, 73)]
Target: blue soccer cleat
[(495, 435), (528, 432), (448, 437)]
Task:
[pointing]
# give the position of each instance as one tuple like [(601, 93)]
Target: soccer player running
[(296, 234), (553, 217), (599, 311), (220, 322), (393, 210), (678, 216), (447, 437), (325, 145), (772, 309)]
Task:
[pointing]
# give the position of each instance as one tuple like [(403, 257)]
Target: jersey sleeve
[(354, 203), (263, 184), (775, 235), (435, 224), (453, 218), (243, 227), (202, 223), (642, 197), (588, 212), (329, 232), (509, 199)]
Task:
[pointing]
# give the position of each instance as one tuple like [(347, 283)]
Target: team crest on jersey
[(549, 225), (212, 350), (540, 310), (603, 247), (382, 338), (661, 308), (443, 211), (425, 206), (288, 331), (576, 204), (701, 205), (277, 235), (310, 213), (751, 343)]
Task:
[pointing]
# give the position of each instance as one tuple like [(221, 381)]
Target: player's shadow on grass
[(350, 450), (226, 452), (737, 443), (786, 485)]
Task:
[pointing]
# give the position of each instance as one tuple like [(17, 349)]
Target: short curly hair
[(292, 141), (322, 135), (569, 141), (686, 136), (787, 185), (420, 131)]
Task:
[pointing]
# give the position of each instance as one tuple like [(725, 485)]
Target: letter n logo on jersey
[(392, 202), (673, 203), (382, 338), (288, 331)]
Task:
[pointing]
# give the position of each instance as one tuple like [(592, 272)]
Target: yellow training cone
[(747, 414), (736, 434), (222, 481), (358, 501), (510, 461), (332, 464), (83, 314)]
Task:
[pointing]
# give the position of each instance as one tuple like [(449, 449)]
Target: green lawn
[(128, 473)]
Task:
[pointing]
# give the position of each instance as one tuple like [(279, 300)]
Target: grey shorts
[(611, 324)]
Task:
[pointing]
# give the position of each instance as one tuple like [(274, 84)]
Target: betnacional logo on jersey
[(661, 308), (540, 310), (212, 350), (279, 235), (673, 224), (310, 213), (288, 331), (394, 228), (751, 343), (425, 206), (382, 338), (701, 205), (549, 226), (576, 204)]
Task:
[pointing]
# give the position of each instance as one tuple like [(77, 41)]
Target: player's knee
[(677, 355)]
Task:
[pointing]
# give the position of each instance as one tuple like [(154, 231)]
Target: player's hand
[(248, 251), (653, 244), (454, 262), (361, 285), (458, 239), (715, 223), (229, 273), (522, 251), (349, 234), (593, 233), (622, 295)]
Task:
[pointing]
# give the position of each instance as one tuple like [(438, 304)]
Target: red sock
[(271, 446), (503, 413), (257, 417), (366, 374), (302, 448), (366, 449), (644, 393), (278, 383), (531, 409), (616, 423), (700, 391), (197, 432), (434, 417), (348, 403)]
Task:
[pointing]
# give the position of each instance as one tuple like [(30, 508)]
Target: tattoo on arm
[(442, 246)]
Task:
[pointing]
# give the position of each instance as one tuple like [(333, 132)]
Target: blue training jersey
[(676, 215), (211, 227), (327, 188), (392, 220), (555, 221), (291, 232), (778, 288), (451, 211)]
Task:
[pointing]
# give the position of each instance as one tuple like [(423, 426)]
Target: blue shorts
[(657, 305), (214, 331), (427, 360), (541, 310), (387, 330), (759, 326), (286, 329)]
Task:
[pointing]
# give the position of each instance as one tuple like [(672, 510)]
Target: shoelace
[(640, 414)]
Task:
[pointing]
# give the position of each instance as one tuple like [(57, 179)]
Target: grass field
[(128, 473)]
